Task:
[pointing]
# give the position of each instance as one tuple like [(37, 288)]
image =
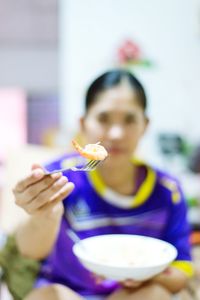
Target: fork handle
[(56, 171)]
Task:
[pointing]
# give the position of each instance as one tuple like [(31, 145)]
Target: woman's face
[(116, 120)]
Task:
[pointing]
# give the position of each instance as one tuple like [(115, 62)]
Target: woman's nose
[(116, 132)]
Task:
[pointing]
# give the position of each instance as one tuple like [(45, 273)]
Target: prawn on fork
[(91, 151), (94, 152)]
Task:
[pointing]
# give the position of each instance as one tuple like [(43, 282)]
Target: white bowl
[(124, 256)]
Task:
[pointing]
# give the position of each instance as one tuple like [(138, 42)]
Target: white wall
[(167, 31)]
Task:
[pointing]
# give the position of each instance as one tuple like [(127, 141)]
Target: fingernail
[(56, 175), (61, 181), (38, 173), (167, 271)]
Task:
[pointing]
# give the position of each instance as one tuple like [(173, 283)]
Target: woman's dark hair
[(111, 79)]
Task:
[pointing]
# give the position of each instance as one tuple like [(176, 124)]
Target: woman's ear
[(147, 121), (82, 124), (81, 136), (146, 125)]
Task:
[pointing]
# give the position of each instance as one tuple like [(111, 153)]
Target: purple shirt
[(157, 210)]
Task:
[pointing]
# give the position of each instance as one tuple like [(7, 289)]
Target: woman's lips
[(116, 150)]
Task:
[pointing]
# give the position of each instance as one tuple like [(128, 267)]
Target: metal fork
[(90, 166)]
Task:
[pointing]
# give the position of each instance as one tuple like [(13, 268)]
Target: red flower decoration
[(129, 52)]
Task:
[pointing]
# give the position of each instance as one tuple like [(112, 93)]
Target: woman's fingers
[(48, 195), (58, 197), (39, 192), (35, 176), (34, 190), (98, 278), (36, 166), (130, 283)]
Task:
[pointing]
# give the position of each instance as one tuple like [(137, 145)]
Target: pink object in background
[(13, 124), (129, 55), (129, 51)]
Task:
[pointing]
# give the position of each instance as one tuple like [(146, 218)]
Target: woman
[(149, 201)]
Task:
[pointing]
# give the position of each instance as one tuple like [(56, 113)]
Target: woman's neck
[(121, 179)]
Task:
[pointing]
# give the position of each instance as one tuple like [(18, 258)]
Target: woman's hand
[(42, 195), (128, 283), (131, 284), (172, 279)]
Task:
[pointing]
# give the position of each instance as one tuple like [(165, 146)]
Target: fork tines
[(91, 165)]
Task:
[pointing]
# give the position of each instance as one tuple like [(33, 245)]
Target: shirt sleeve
[(178, 229)]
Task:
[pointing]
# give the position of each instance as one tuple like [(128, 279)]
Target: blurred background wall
[(29, 44), (50, 50), (29, 62), (168, 33)]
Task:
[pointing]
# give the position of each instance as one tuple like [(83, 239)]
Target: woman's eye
[(130, 119), (103, 118)]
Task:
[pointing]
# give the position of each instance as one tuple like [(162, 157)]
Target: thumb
[(36, 166)]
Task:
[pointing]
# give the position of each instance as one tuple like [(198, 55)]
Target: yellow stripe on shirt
[(141, 195), (184, 266), (145, 189)]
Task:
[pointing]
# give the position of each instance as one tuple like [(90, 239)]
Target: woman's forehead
[(123, 90), (116, 100)]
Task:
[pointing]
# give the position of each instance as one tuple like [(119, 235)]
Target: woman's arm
[(41, 197), (172, 279), (35, 238), (177, 232)]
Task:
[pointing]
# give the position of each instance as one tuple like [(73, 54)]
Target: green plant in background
[(192, 201)]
